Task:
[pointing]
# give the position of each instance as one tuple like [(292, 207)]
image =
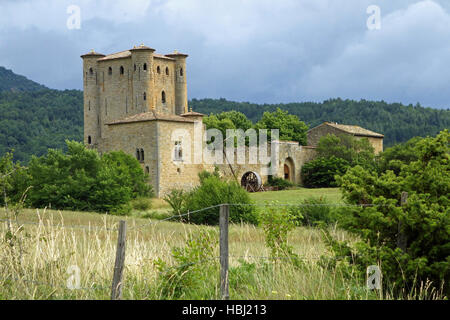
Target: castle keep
[(136, 101)]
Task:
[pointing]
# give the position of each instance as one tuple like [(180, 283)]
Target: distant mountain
[(9, 81), (34, 118)]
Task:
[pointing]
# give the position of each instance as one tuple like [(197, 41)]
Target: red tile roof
[(354, 130)]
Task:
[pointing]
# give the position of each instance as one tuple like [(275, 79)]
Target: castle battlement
[(131, 82)]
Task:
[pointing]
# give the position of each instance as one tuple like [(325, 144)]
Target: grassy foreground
[(40, 260), (38, 264), (333, 195)]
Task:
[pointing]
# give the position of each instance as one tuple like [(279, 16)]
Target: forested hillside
[(34, 118), (397, 122), (32, 122), (9, 81)]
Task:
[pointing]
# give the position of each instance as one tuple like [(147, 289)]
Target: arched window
[(110, 71), (178, 151), (89, 140), (181, 72), (158, 69), (134, 67), (145, 67), (163, 97), (91, 71), (122, 70), (167, 71), (145, 96), (142, 155), (147, 169), (138, 154)]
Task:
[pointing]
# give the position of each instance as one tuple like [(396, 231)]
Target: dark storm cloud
[(255, 50)]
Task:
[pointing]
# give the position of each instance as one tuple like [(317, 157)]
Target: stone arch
[(289, 170)]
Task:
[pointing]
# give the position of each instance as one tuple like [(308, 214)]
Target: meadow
[(45, 251)]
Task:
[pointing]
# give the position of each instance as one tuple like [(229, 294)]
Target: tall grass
[(34, 261)]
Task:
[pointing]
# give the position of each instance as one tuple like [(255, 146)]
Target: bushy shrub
[(14, 180), (193, 265), (214, 191), (313, 212), (141, 203), (321, 172), (83, 180), (410, 242), (176, 198), (277, 222), (280, 183)]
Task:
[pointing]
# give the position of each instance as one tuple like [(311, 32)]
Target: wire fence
[(224, 260)]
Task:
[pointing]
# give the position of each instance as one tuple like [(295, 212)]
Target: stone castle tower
[(128, 83), (135, 101)]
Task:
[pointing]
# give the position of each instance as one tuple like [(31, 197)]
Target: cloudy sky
[(264, 51)]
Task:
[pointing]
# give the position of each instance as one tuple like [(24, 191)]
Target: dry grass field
[(41, 254)]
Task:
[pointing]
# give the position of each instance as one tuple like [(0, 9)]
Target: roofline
[(142, 49), (376, 135), (148, 120), (116, 58), (163, 57), (92, 55), (177, 55)]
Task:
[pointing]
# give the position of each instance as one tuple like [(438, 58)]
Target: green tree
[(393, 158), (239, 120), (290, 126), (321, 172), (82, 180), (354, 151), (424, 221)]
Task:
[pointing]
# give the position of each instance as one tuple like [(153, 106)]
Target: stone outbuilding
[(375, 139)]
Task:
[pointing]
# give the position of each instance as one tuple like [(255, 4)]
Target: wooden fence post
[(223, 222), (401, 237), (116, 291)]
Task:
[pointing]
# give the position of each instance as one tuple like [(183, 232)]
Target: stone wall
[(132, 136), (316, 133), (178, 173)]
